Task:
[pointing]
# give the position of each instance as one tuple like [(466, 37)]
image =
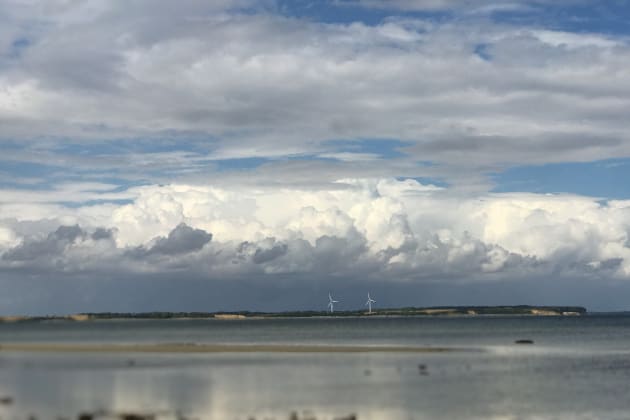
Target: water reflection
[(587, 378), (208, 387)]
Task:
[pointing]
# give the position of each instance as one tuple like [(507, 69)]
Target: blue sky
[(606, 179), (402, 143)]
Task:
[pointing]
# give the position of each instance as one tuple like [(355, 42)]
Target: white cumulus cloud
[(401, 228)]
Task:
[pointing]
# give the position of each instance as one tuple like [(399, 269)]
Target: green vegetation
[(445, 311), (408, 311)]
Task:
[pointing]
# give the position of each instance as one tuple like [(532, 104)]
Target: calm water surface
[(579, 367)]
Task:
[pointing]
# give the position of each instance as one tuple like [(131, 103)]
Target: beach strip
[(215, 348)]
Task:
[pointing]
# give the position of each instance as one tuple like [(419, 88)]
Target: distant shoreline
[(521, 310), (215, 348)]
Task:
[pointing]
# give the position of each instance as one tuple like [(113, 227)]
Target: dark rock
[(422, 369), (132, 416), (85, 416), (6, 400), (348, 417), (524, 341)]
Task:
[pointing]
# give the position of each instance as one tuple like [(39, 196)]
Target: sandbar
[(216, 348)]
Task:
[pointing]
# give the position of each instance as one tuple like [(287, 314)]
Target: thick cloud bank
[(400, 231)]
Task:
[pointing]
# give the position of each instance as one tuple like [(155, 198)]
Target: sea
[(577, 367)]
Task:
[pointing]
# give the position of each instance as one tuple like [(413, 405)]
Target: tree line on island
[(407, 311)]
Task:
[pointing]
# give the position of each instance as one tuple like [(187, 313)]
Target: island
[(519, 310)]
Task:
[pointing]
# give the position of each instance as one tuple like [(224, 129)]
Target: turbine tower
[(330, 303), (369, 303)]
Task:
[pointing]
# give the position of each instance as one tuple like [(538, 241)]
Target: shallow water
[(579, 367)]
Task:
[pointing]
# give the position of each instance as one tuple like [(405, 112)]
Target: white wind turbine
[(369, 303), (330, 303)]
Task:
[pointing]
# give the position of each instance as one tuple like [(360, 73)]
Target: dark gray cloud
[(265, 255), (332, 253), (67, 233), (181, 240), (102, 233), (53, 244)]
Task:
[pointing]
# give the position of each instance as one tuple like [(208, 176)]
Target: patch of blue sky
[(607, 17), (250, 163), (121, 184), (426, 163), (20, 169), (238, 163), (314, 158), (28, 186), (78, 204), (109, 147), (482, 51), (14, 49), (606, 179), (383, 148), (118, 184), (38, 176), (11, 144), (138, 145), (18, 46), (348, 11)]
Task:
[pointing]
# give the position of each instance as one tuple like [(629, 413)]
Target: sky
[(260, 154)]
